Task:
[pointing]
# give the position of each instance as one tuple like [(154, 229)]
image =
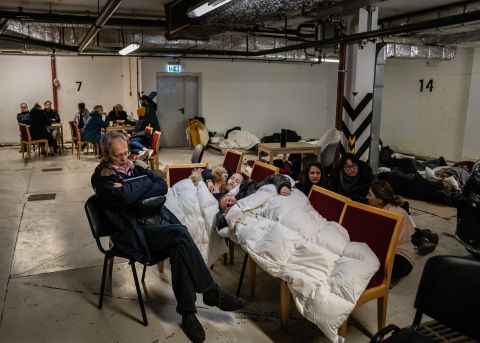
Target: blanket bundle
[(196, 207), (286, 237)]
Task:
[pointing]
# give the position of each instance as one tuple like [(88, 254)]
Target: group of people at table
[(92, 124), (169, 238)]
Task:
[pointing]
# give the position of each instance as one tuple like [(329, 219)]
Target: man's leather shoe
[(224, 301), (192, 328)]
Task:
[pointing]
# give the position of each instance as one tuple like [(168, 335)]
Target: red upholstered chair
[(233, 161), (155, 146), (178, 172), (262, 170), (149, 129), (329, 204), (379, 230)]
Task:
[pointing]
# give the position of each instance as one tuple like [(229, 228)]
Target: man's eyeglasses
[(351, 167)]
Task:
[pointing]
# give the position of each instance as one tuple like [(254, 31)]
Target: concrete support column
[(472, 121), (357, 100)]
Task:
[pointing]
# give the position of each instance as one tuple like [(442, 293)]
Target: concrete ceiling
[(241, 28)]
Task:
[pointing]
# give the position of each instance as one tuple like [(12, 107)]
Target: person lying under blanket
[(282, 184), (216, 180)]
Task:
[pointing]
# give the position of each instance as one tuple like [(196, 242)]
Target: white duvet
[(196, 207), (286, 237)]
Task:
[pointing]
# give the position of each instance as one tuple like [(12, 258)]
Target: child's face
[(234, 180)]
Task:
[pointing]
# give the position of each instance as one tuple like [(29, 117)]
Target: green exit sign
[(174, 68)]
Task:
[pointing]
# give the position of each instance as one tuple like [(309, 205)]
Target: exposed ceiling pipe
[(79, 19), (102, 18), (37, 42), (441, 11), (358, 37), (348, 39)]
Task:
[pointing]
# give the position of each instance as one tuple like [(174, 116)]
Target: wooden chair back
[(379, 230), (24, 133), (262, 170), (178, 172), (233, 161), (149, 129), (329, 204), (155, 146)]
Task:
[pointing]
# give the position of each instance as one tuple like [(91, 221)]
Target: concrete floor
[(50, 271)]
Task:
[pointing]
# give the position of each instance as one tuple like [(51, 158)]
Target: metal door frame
[(199, 85)]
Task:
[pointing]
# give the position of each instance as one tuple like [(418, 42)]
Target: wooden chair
[(28, 142), (233, 161), (262, 170), (73, 132), (329, 204), (149, 129), (178, 172), (379, 229), (79, 141), (155, 146)]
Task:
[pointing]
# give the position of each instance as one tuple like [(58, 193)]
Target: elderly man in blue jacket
[(145, 243)]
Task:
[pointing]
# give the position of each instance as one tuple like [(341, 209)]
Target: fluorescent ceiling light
[(330, 60), (205, 7), (129, 49)]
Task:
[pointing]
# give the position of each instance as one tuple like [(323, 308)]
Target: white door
[(177, 101)]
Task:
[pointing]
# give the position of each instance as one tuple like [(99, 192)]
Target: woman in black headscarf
[(351, 178)]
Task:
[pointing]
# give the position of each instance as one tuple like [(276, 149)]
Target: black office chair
[(449, 292), (100, 230), (198, 153)]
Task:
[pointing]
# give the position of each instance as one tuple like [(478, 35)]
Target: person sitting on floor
[(92, 131), (381, 195), (351, 178), (81, 117), (24, 116), (39, 123), (167, 239), (309, 176)]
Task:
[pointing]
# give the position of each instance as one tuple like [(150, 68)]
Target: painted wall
[(427, 123), (105, 81), (261, 98), (471, 146)]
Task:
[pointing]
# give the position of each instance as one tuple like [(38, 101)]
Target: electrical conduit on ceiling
[(107, 11)]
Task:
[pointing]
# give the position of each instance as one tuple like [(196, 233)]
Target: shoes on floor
[(428, 234), (224, 301), (424, 246), (192, 328)]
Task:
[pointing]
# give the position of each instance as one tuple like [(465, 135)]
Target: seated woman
[(92, 131), (381, 195), (351, 178), (309, 176)]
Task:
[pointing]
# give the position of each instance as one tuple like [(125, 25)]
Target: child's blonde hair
[(220, 176)]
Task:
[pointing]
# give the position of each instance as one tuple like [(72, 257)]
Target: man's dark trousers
[(190, 275)]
